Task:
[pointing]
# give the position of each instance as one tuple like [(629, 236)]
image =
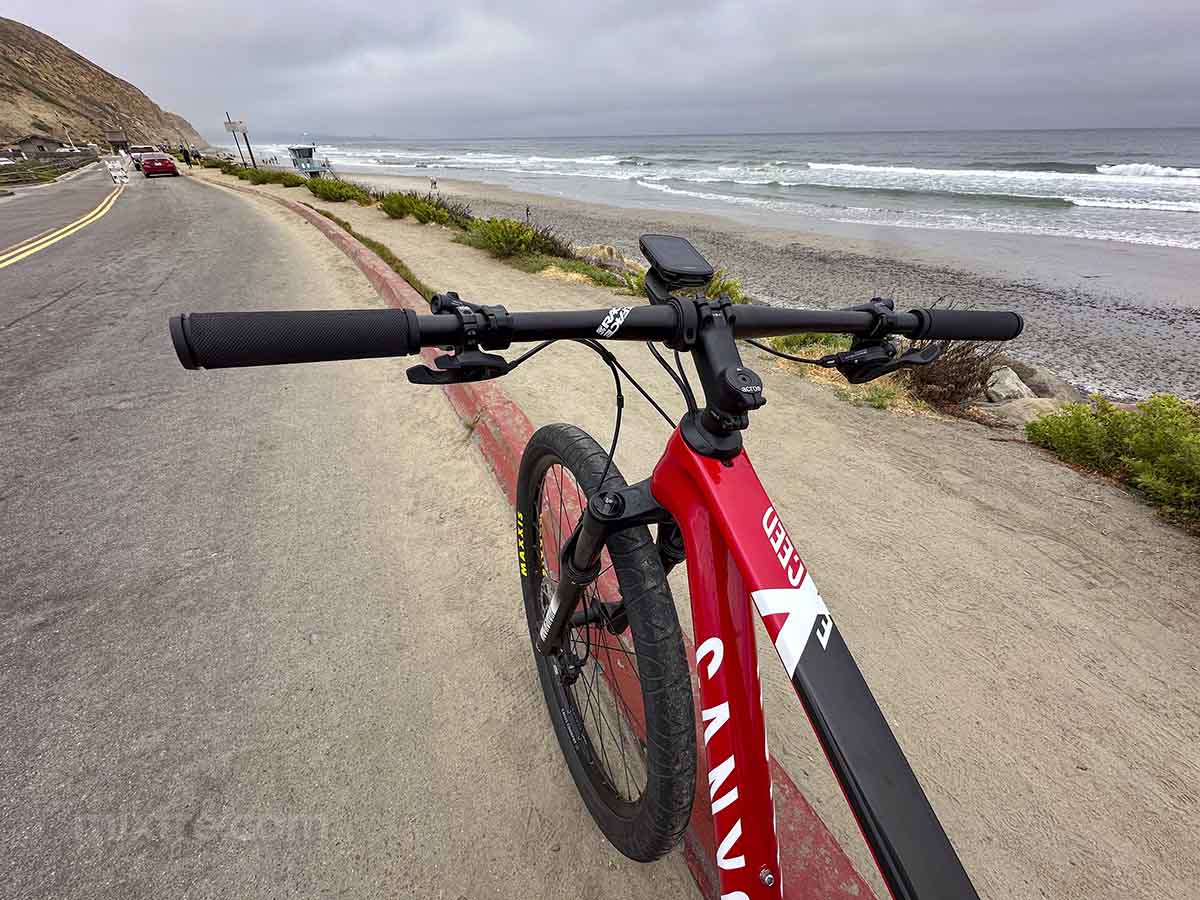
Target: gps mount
[(705, 328)]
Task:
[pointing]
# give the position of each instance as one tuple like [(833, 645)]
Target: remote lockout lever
[(489, 325), (878, 353)]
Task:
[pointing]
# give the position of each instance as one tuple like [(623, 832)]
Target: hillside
[(48, 88)]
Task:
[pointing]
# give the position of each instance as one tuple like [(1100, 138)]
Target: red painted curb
[(815, 867)]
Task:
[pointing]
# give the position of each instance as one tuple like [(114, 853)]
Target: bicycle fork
[(606, 512)]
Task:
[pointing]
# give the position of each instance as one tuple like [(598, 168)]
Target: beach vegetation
[(725, 285), (540, 262), (502, 238), (722, 285), (548, 241), (1154, 448), (875, 394), (634, 283), (395, 263), (958, 376), (426, 208), (810, 344), (335, 191)]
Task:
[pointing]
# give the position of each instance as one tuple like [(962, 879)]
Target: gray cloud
[(556, 67)]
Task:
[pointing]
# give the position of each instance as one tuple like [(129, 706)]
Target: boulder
[(1045, 383), (1004, 385), (608, 257), (1019, 412)]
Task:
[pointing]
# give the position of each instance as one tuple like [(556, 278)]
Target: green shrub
[(336, 191), (397, 205), (1091, 435), (635, 283), (1156, 448), (425, 208), (724, 284), (291, 179), (426, 212), (502, 237)]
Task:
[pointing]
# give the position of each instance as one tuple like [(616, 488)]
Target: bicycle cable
[(688, 397), (614, 366), (825, 362), (691, 397)]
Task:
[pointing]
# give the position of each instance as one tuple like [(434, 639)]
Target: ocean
[(1137, 186)]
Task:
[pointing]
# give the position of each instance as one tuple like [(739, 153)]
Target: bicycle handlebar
[(233, 339)]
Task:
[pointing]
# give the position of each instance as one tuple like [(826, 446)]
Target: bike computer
[(676, 261)]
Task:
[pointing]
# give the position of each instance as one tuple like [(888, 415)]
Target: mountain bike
[(605, 635)]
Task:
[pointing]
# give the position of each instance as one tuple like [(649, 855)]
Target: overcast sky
[(445, 68)]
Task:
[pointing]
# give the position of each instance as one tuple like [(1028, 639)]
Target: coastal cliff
[(47, 88)]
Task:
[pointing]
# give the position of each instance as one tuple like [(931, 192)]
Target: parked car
[(157, 164), (137, 151)]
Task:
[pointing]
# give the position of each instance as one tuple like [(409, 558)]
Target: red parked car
[(158, 164)]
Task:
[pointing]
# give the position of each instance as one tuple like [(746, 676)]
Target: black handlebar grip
[(966, 325), (229, 339)]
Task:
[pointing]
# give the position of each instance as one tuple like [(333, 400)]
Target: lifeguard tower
[(307, 162)]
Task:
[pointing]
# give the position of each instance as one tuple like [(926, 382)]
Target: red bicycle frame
[(739, 557)]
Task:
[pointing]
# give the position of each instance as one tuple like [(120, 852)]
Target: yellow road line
[(66, 231), (19, 244), (47, 239)]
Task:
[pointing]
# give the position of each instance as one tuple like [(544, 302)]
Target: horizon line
[(697, 134)]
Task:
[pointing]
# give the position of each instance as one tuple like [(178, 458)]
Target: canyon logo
[(801, 603)]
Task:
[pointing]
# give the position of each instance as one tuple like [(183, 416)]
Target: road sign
[(236, 126)]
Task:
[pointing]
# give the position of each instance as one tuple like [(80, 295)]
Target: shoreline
[(1125, 342)]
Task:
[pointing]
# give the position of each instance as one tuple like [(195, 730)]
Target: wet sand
[(1120, 319)]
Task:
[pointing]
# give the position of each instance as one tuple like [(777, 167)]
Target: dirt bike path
[(1029, 632)]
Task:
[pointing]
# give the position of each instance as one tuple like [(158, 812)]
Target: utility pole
[(235, 140)]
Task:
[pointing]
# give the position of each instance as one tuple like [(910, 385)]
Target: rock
[(1004, 385), (1045, 383), (1018, 412), (608, 257)]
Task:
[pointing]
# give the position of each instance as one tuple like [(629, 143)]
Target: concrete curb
[(814, 865)]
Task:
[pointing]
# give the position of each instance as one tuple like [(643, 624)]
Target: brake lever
[(457, 368)]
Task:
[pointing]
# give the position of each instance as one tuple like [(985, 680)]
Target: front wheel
[(619, 696)]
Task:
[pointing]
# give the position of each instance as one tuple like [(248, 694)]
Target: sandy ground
[(1120, 319), (1030, 633), (261, 634)]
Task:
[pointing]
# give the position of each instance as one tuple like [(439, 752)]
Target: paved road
[(34, 210), (259, 632)]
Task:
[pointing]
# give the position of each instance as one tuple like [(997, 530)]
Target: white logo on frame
[(803, 607)]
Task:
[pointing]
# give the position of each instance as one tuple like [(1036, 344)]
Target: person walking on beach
[(187, 155)]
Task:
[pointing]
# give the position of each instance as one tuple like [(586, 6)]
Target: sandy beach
[(1116, 318)]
